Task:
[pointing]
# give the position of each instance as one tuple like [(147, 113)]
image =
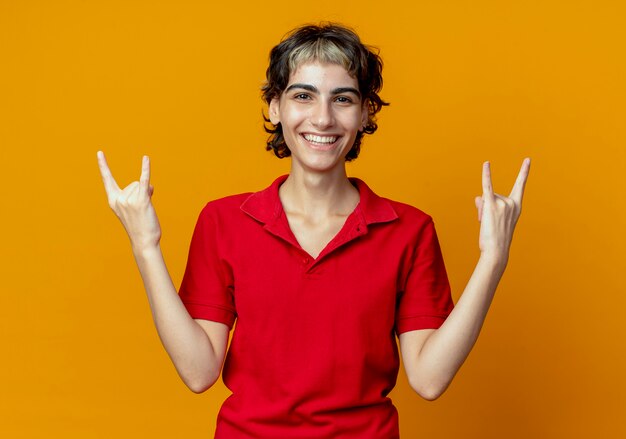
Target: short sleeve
[(207, 286), (426, 300)]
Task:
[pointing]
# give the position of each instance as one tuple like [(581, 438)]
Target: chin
[(320, 165)]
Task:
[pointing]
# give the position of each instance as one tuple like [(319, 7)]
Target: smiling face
[(320, 112)]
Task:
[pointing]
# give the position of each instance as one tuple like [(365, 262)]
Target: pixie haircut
[(327, 43)]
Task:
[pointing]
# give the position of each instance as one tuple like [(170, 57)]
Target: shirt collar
[(265, 205)]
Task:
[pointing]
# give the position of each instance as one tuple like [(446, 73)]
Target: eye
[(301, 96), (344, 100)]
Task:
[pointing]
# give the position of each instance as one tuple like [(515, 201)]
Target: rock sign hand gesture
[(498, 214), (132, 205)]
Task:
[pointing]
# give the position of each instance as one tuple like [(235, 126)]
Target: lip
[(318, 146)]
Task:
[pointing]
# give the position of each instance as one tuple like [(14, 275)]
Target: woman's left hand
[(498, 214)]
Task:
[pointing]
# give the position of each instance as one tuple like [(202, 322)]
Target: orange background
[(179, 80)]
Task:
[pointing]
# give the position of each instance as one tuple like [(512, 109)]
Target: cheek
[(293, 118), (353, 121)]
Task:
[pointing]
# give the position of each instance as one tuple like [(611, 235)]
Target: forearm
[(433, 357), (187, 344), (445, 350)]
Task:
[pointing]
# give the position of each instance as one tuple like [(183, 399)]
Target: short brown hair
[(331, 43)]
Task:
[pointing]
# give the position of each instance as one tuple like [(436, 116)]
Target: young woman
[(319, 273)]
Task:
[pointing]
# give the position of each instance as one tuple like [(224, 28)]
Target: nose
[(322, 116)]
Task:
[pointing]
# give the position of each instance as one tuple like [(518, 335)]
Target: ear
[(274, 110), (364, 114)]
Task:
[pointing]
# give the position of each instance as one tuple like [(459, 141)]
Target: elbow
[(431, 394), (201, 385), (198, 388), (430, 391)]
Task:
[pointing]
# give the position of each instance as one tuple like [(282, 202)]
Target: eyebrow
[(314, 89)]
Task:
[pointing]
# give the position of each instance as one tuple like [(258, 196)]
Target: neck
[(318, 195)]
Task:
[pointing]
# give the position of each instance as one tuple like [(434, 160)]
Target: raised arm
[(432, 357), (196, 347)]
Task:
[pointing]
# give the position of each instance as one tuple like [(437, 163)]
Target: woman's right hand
[(132, 205)]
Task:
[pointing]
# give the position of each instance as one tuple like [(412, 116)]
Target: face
[(321, 112)]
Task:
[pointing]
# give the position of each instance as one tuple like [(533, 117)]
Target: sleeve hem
[(419, 322), (210, 312)]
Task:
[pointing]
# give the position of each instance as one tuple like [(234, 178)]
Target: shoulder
[(412, 222), (227, 202), (225, 207), (416, 227), (380, 209), (262, 205), (408, 219), (408, 212)]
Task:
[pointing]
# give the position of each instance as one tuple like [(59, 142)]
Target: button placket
[(305, 260)]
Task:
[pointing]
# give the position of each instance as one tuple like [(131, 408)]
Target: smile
[(320, 140)]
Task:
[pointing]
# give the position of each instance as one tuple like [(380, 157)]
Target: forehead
[(322, 74)]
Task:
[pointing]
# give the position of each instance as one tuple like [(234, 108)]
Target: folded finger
[(479, 206)]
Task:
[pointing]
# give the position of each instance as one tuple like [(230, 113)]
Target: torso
[(313, 352)]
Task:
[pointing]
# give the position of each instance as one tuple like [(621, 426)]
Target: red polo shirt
[(313, 354)]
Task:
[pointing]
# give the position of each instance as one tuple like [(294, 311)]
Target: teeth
[(320, 139)]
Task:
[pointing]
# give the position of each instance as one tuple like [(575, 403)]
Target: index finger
[(517, 192), (110, 185)]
